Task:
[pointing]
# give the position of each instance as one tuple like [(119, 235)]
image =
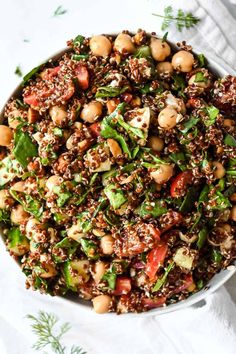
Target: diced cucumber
[(183, 259), (18, 243), (75, 273)]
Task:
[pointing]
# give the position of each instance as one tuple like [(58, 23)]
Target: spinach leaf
[(155, 208), (16, 239), (24, 148), (32, 73), (188, 202), (203, 195), (135, 131), (180, 159), (116, 196), (202, 235), (147, 88), (212, 114), (89, 248), (222, 202), (189, 124), (4, 216), (216, 256), (143, 52), (199, 77), (110, 276), (179, 84), (230, 140), (109, 91), (58, 132), (201, 60), (108, 132), (63, 195), (31, 205), (161, 281), (69, 247)]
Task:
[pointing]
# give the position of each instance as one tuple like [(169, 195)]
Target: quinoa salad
[(117, 173)]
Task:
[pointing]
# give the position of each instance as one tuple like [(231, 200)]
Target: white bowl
[(219, 69)]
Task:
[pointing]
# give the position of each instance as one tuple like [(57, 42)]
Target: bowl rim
[(220, 68)]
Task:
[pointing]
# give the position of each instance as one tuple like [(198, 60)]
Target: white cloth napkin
[(206, 328)]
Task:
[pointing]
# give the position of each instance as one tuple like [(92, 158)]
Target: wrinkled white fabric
[(206, 328)]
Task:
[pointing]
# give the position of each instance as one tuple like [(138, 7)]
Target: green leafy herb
[(212, 114), (230, 140), (189, 124), (147, 88), (201, 60), (21, 104), (182, 19), (59, 11), (188, 202), (89, 248), (179, 84), (202, 235), (9, 168), (135, 131), (143, 52), (155, 208), (200, 284), (110, 277), (161, 281), (79, 57), (116, 196), (31, 74), (31, 205), (108, 91), (216, 256), (63, 195), (203, 195), (180, 160), (18, 71), (4, 216), (220, 201), (69, 247), (199, 77), (24, 148), (44, 326)]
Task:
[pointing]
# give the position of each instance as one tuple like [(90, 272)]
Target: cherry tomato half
[(180, 183), (155, 259)]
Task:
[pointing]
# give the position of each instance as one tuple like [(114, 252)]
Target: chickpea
[(165, 68), (228, 123), (18, 186), (160, 50), (123, 43), (219, 170), (100, 46), (18, 215), (102, 303), (107, 244), (6, 135), (167, 118), (31, 225), (183, 61), (99, 271), (201, 84), (52, 182), (162, 174), (233, 213), (48, 269), (91, 111), (156, 143), (58, 114), (5, 199)]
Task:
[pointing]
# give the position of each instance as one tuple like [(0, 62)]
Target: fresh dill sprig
[(59, 11), (18, 71), (182, 19), (44, 327)]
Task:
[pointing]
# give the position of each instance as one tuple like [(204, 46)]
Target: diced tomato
[(180, 183), (155, 259), (123, 286), (82, 76), (95, 129), (155, 232), (153, 303), (69, 93), (195, 103), (127, 97), (47, 74), (170, 219), (31, 100), (188, 280)]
